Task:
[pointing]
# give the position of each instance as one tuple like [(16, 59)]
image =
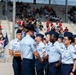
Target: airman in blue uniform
[(14, 50), (68, 55), (53, 56), (41, 49), (28, 49), (75, 46), (48, 45)]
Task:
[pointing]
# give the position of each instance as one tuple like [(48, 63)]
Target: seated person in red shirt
[(60, 24), (19, 22), (47, 24), (66, 29), (0, 27)]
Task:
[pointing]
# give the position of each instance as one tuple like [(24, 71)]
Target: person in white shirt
[(68, 55), (28, 49), (41, 49), (14, 50)]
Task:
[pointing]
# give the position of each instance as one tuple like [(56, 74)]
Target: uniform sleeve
[(59, 49), (19, 48), (33, 46), (47, 51), (11, 45), (73, 53), (43, 48)]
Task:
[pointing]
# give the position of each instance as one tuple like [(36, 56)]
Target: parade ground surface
[(6, 69)]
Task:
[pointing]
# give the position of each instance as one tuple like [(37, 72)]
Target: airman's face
[(37, 39), (75, 40), (59, 40), (45, 42), (48, 38), (31, 32), (66, 41), (19, 36)]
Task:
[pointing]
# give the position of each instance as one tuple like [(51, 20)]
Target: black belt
[(27, 59), (67, 64), (53, 62)]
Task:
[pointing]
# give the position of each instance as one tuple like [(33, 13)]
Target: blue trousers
[(53, 70), (34, 66), (46, 67), (39, 67), (66, 69), (75, 72), (17, 65), (27, 67)]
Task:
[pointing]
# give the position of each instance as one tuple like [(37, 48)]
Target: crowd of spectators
[(26, 14), (26, 10), (56, 26), (39, 26), (72, 14)]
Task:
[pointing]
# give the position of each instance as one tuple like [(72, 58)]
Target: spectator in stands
[(37, 19), (57, 30), (52, 28), (72, 14), (40, 26), (16, 25), (10, 8), (3, 9), (0, 26), (47, 24), (19, 22), (48, 29), (20, 27), (56, 24), (63, 11), (50, 23), (61, 33), (23, 23), (1, 40), (60, 24), (66, 29)]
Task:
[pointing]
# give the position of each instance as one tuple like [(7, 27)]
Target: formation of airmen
[(36, 55)]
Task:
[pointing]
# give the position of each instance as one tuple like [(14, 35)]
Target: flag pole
[(14, 13)]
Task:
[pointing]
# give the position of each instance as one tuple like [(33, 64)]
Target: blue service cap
[(74, 36), (68, 34), (50, 32), (18, 31), (61, 37), (40, 35), (47, 33), (30, 27), (54, 33)]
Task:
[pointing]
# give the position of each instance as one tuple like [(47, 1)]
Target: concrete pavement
[(6, 68)]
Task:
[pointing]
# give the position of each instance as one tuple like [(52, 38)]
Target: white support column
[(66, 10), (14, 13)]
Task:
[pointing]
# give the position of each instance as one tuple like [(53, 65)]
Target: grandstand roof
[(57, 2)]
